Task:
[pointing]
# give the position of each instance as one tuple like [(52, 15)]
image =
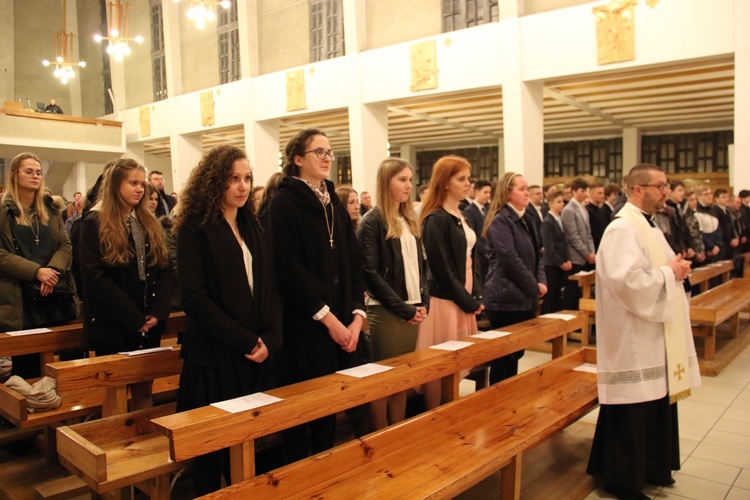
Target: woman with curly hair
[(34, 248), (227, 285), (128, 281)]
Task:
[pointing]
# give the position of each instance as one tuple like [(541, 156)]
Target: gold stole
[(674, 331)]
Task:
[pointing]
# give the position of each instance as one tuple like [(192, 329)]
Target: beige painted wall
[(34, 41), (7, 64), (283, 34), (92, 83), (537, 6), (139, 88), (199, 50), (395, 21)]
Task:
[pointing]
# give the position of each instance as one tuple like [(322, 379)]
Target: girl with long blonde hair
[(127, 276), (395, 275), (449, 245)]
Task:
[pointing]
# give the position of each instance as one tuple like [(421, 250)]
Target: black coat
[(115, 301), (599, 218), (384, 266), (445, 246), (310, 275), (160, 212), (556, 250), (226, 318)]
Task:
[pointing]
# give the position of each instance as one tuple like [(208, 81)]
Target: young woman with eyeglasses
[(319, 274), (34, 248)]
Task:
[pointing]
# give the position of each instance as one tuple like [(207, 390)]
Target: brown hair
[(388, 169), (24, 217), (500, 198), (296, 147)]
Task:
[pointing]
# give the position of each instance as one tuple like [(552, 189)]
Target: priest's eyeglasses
[(322, 153), (661, 187)]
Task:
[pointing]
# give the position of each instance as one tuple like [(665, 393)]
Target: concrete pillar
[(79, 170), (409, 153), (186, 152), (171, 16), (510, 8), (631, 149), (368, 134), (262, 147), (739, 167), (247, 20), (117, 77), (500, 157)]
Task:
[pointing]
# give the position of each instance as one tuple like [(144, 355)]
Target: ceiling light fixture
[(201, 11), (117, 30), (63, 52)]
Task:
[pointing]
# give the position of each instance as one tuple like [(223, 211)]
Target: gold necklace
[(330, 228)]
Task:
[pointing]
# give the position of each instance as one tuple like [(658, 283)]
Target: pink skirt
[(446, 321)]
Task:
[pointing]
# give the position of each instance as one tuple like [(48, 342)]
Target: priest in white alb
[(646, 358)]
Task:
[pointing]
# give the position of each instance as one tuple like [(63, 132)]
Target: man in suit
[(729, 235), (536, 198), (556, 257), (475, 213), (611, 191), (598, 216), (166, 202), (575, 220), (744, 197)]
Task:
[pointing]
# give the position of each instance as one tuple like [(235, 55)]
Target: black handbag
[(60, 306)]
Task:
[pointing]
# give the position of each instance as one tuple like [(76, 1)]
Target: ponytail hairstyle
[(297, 146), (24, 218), (504, 186), (388, 169), (113, 225), (442, 172)]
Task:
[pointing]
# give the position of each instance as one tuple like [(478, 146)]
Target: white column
[(262, 147), (740, 167), (368, 134), (79, 168), (186, 153), (409, 153), (354, 26), (247, 20), (171, 16), (631, 149)]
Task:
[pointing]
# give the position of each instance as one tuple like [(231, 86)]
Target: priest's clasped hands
[(681, 267)]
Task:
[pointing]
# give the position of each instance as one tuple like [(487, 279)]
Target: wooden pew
[(446, 450), (209, 429), (711, 308), (586, 280), (745, 264), (701, 276)]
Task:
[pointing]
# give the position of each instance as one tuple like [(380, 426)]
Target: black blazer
[(445, 246), (115, 301), (599, 219), (556, 251), (384, 266), (225, 318), (160, 206)]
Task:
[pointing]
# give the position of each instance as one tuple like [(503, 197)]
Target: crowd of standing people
[(302, 261)]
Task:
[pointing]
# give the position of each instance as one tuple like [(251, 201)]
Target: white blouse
[(248, 258)]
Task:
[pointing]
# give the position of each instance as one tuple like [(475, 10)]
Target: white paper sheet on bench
[(31, 331), (365, 370), (245, 403), (584, 273), (566, 317), (585, 367), (451, 345), (140, 352), (491, 334)]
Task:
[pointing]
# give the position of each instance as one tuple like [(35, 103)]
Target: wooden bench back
[(208, 429)]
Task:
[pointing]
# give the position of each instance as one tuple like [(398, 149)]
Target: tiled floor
[(714, 439)]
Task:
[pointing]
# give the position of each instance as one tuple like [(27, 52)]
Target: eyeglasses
[(31, 173), (322, 153), (660, 187)]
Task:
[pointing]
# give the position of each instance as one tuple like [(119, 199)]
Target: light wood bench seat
[(115, 452), (701, 276), (208, 429), (446, 450), (715, 306)]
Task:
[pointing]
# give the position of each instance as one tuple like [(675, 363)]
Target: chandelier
[(63, 52), (117, 30), (201, 11)]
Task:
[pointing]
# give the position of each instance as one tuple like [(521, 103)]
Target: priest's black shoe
[(663, 482), (624, 493)]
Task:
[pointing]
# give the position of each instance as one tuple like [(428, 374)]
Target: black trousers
[(572, 293), (635, 444), (506, 366), (556, 280)]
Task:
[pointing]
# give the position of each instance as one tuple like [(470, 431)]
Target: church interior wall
[(7, 55), (538, 6), (199, 53), (92, 81), (283, 34), (390, 22), (139, 89)]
